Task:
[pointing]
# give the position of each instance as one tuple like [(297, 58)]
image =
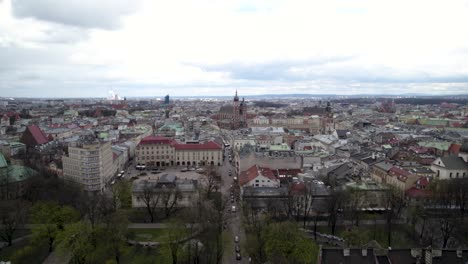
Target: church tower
[(236, 112)]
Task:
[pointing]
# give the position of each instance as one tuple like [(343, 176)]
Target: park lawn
[(146, 255), (401, 237), (149, 234), (37, 256), (152, 234)]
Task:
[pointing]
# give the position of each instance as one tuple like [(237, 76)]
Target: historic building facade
[(161, 152), (233, 116)]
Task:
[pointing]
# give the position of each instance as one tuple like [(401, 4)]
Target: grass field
[(401, 237)]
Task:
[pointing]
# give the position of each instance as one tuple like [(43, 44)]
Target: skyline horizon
[(52, 48)]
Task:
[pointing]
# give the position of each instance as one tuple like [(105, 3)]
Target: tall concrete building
[(90, 164)]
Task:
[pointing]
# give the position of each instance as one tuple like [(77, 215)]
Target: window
[(256, 181), (450, 175)]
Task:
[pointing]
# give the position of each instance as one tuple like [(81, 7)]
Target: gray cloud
[(337, 68), (275, 70), (105, 14)]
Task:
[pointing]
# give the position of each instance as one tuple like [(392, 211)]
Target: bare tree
[(447, 226), (394, 203), (335, 205), (308, 203), (210, 180), (353, 204), (12, 216), (169, 199), (150, 197)]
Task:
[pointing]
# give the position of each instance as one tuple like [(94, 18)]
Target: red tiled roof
[(255, 171), (204, 146), (155, 140), (454, 148), (423, 181), (289, 172), (37, 135)]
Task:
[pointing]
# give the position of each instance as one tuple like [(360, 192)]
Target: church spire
[(236, 98)]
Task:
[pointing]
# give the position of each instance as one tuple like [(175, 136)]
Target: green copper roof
[(17, 173), (3, 162), (442, 145)]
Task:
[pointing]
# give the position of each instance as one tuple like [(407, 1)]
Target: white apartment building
[(90, 164)]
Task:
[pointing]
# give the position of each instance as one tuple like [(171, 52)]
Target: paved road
[(234, 219)]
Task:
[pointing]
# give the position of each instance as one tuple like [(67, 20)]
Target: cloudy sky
[(85, 48)]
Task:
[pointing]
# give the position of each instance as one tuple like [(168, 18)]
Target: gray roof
[(464, 147), (454, 163), (384, 166), (167, 178)]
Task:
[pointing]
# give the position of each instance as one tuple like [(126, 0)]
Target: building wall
[(262, 181), (444, 174), (155, 154), (161, 155), (269, 162), (90, 165)]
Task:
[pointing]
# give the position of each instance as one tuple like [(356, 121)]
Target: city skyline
[(146, 48)]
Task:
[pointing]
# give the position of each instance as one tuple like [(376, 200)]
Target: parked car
[(233, 209), (236, 239), (238, 256), (237, 248)]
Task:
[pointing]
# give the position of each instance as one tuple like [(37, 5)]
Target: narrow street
[(234, 218)]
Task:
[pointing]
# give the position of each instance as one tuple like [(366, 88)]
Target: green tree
[(76, 240), (176, 233), (50, 219), (355, 237), (285, 243), (122, 194)]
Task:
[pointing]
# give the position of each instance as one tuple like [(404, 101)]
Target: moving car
[(238, 256), (237, 248)]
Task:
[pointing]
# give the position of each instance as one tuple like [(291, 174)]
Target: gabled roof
[(33, 135), (255, 171), (454, 163), (454, 148)]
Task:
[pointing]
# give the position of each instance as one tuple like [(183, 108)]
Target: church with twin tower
[(233, 116)]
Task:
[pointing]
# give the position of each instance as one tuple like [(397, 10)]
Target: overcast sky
[(85, 48)]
